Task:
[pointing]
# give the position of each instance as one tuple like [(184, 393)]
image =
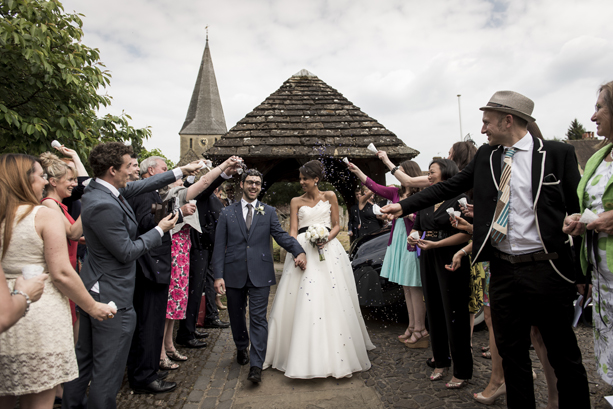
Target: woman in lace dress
[(315, 328), (37, 353)]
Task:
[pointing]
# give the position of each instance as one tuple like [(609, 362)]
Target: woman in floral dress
[(179, 283), (596, 193)]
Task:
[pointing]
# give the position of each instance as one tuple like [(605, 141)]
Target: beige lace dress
[(37, 353)]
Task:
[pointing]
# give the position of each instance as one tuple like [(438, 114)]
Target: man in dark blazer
[(243, 266), (109, 272), (209, 208), (531, 263)]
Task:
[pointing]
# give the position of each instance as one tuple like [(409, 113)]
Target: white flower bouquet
[(317, 234)]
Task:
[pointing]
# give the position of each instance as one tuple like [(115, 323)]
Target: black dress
[(370, 223), (446, 292)]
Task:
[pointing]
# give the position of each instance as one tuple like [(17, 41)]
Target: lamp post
[(460, 115)]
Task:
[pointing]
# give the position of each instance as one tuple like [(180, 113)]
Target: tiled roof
[(306, 117)]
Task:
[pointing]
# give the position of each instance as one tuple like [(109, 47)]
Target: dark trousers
[(526, 294), (102, 352), (447, 294), (199, 269), (258, 325), (150, 302)]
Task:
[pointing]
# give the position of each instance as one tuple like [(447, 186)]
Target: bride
[(315, 327)]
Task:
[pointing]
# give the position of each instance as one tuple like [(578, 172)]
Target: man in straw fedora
[(523, 188)]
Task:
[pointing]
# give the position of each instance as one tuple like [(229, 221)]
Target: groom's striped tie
[(501, 217)]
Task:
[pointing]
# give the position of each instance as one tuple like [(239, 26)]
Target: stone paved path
[(398, 379)]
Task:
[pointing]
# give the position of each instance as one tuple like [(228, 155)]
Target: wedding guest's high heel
[(420, 343), (456, 384), (437, 376), (167, 364), (502, 389)]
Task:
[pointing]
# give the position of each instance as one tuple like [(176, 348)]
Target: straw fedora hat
[(511, 103)]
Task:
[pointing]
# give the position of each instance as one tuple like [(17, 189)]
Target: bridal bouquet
[(317, 234)]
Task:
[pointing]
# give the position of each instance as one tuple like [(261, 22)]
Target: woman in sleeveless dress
[(316, 329), (37, 353)]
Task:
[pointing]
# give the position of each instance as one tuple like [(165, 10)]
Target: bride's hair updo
[(313, 169)]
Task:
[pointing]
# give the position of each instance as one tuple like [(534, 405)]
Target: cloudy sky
[(403, 62)]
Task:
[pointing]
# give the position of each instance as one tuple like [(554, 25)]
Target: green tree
[(575, 130), (49, 83), (143, 154)]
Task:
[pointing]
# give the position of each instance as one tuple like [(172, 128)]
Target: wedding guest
[(38, 351), (153, 276), (370, 223), (595, 193), (445, 294), (13, 304), (400, 264), (179, 277), (525, 244), (109, 271)]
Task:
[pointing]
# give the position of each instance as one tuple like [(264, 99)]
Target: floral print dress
[(602, 278), (179, 281)]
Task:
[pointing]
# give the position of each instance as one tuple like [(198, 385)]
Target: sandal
[(437, 376), (421, 340), (456, 385), (176, 356), (486, 355), (404, 336), (167, 364), (485, 349)]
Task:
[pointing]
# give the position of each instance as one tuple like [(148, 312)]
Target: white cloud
[(402, 62)]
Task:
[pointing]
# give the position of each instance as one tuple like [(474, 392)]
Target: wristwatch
[(395, 169), (28, 302)]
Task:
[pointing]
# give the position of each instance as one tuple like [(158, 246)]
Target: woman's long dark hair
[(448, 168), (412, 169), (463, 153)]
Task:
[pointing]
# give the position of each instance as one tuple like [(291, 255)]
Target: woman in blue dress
[(400, 264)]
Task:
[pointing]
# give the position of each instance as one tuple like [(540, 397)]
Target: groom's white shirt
[(244, 204)]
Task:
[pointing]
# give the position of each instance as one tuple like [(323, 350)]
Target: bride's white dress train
[(316, 329)]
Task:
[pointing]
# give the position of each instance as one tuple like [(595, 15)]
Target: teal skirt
[(400, 265)]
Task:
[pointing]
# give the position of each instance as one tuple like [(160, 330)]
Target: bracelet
[(28, 302), (395, 169), (465, 253)]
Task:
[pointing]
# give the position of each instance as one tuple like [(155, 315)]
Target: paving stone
[(231, 384), (195, 396), (209, 403), (213, 392), (224, 405), (218, 383)]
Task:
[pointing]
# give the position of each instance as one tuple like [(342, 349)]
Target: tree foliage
[(144, 154), (49, 83), (575, 130)]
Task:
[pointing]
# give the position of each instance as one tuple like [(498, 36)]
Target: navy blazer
[(555, 176), (238, 254), (113, 243)]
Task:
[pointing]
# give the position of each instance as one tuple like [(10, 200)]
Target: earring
[(315, 183)]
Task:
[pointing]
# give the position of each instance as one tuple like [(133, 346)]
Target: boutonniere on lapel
[(260, 209)]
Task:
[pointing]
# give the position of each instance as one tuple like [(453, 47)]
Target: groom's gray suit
[(244, 260)]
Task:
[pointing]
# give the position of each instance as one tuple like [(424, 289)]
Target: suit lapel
[(238, 211), (126, 208), (538, 167), (496, 165)]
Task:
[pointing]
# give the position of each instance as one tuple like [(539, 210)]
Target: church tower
[(205, 121)]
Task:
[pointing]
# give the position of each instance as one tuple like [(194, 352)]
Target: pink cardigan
[(393, 194)]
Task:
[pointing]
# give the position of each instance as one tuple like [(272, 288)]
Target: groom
[(243, 267)]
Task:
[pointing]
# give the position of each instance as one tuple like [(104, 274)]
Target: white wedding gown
[(316, 329)]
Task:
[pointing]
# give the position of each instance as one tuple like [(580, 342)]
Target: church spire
[(205, 113)]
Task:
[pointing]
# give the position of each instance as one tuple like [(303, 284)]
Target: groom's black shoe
[(255, 374), (242, 356)]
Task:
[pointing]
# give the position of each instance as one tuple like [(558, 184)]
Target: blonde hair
[(15, 189), (54, 167)]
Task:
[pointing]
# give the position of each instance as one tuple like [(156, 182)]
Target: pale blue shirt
[(522, 232)]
